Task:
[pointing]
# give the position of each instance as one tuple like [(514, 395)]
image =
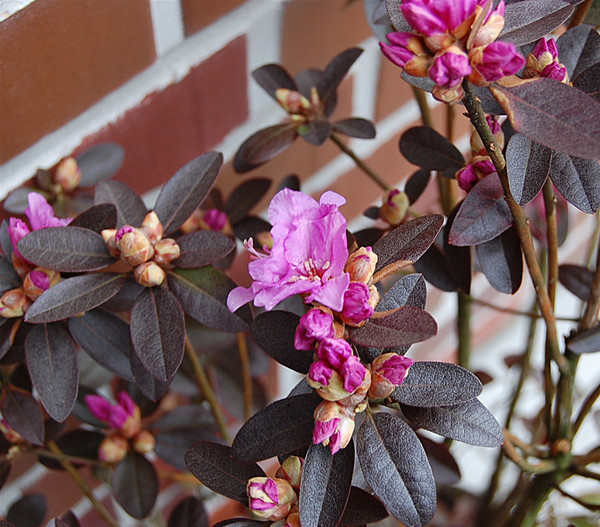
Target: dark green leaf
[(271, 77), (282, 427), (97, 218), (501, 261), (315, 132), (74, 296), (362, 508), (528, 166), (578, 180), (425, 147), (326, 481), (586, 341), (436, 384), (202, 248), (203, 295), (52, 363), (186, 189), (100, 162), (66, 249), (189, 512), (469, 422), (335, 72), (9, 279), (29, 511), (355, 127), (135, 485), (244, 197), (130, 207), (158, 332), (576, 279), (23, 413), (218, 468), (579, 49), (395, 466), (529, 20), (264, 145)]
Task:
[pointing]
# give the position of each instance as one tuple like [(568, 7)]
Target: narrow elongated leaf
[(282, 427), (130, 207), (425, 147), (578, 180), (444, 466), (203, 295), (100, 162), (433, 266), (362, 508), (158, 332), (579, 49), (501, 261), (528, 166), (264, 145), (73, 296), (135, 485), (396, 17), (218, 468), (241, 522), (17, 201), (483, 214), (271, 77), (66, 249), (9, 279), (24, 415), (202, 248), (151, 387), (356, 127), (530, 20), (395, 466), (326, 482), (405, 326), (29, 511), (469, 422), (586, 341), (97, 218), (576, 279), (52, 363), (274, 332), (436, 384), (244, 197), (458, 259), (189, 512), (186, 189), (547, 111), (105, 337), (335, 72)]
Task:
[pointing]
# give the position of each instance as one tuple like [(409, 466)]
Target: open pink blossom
[(431, 17), (308, 255)]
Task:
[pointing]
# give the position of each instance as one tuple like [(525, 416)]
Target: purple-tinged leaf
[(409, 290), (135, 485), (189, 512), (425, 147), (17, 201), (529, 20), (9, 279), (458, 259), (436, 384), (548, 112), (130, 207), (97, 218), (576, 279), (125, 297), (218, 468), (244, 197), (203, 294), (100, 162), (5, 243), (528, 166), (371, 213), (483, 215), (282, 427), (105, 337), (406, 243), (396, 17), (52, 363), (202, 248), (578, 180), (325, 487), (335, 72), (368, 237), (501, 261), (362, 508), (444, 467), (264, 145), (187, 188), (57, 522), (315, 132), (579, 49), (151, 387), (468, 422), (403, 327), (29, 511), (355, 127), (587, 81), (74, 296), (308, 79), (158, 332), (24, 415), (70, 519), (66, 249), (292, 182), (395, 466), (585, 342), (274, 332), (433, 266), (271, 77), (76, 443), (416, 184)]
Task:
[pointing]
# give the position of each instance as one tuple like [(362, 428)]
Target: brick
[(197, 14), (392, 91), (58, 58), (172, 127)]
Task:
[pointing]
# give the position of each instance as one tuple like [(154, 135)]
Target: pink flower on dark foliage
[(270, 498), (497, 60), (334, 352), (124, 415), (308, 255), (431, 17), (543, 61), (215, 219), (314, 326), (449, 68), (357, 308)]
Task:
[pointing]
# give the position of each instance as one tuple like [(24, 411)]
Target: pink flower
[(495, 61), (334, 425), (431, 17), (124, 416), (398, 51), (387, 372), (308, 255), (357, 307), (270, 498), (215, 219), (314, 326), (449, 68), (334, 352)]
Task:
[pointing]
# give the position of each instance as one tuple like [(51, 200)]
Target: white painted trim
[(167, 21), (10, 7)]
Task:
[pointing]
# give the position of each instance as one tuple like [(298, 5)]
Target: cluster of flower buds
[(394, 206), (125, 421), (480, 165), (276, 499), (144, 249), (299, 108), (453, 40), (543, 62), (208, 220)]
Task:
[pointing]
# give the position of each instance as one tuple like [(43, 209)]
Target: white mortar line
[(10, 7), (14, 490), (167, 22)]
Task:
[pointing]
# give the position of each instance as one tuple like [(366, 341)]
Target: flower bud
[(394, 208), (38, 280), (67, 174), (543, 62), (291, 470), (9, 433), (270, 498), (134, 245), (334, 352), (166, 251), (493, 62), (478, 168), (14, 303), (408, 51), (314, 326), (361, 265), (293, 520), (334, 425), (152, 227), (357, 307), (143, 442), (113, 449), (387, 372), (109, 237), (491, 27), (449, 67), (149, 274), (214, 220)]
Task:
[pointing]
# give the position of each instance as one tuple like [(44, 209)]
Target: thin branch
[(529, 314), (585, 473), (246, 374), (543, 467), (591, 506), (585, 409), (421, 98)]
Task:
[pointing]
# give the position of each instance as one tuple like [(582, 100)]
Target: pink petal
[(99, 407)]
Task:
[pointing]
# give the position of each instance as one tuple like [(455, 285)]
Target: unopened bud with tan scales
[(152, 227), (361, 265), (113, 449), (149, 274), (67, 174), (39, 280), (395, 206), (135, 246), (270, 498), (108, 235), (143, 442), (291, 470), (166, 251), (14, 303)]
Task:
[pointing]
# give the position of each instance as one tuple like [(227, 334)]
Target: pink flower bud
[(353, 372), (134, 245), (166, 251), (152, 227), (17, 229), (291, 470), (395, 206), (334, 425), (387, 372), (334, 352), (215, 220), (14, 303), (149, 274), (491, 27), (449, 67), (357, 307), (320, 374), (478, 168), (361, 265), (493, 62), (477, 146), (38, 280), (292, 101), (407, 51), (124, 416), (109, 237), (67, 174), (270, 498), (113, 449), (314, 326), (143, 442)]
